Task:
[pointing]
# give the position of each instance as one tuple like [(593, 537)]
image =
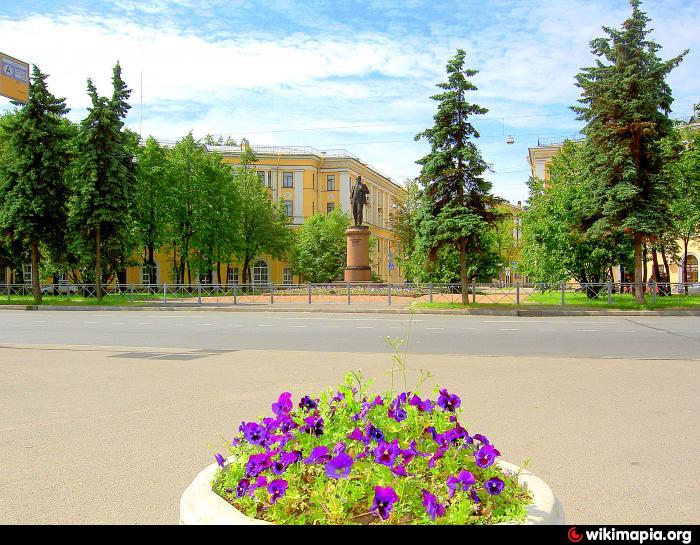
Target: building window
[(330, 182), (3, 275), (691, 269), (146, 275), (288, 208), (288, 179), (232, 276), (288, 277), (27, 273), (260, 272), (330, 207)]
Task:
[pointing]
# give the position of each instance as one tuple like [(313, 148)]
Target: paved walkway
[(94, 434)]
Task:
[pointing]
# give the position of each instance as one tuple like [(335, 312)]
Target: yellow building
[(307, 181), (540, 159)]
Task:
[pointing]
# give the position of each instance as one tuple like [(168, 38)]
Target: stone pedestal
[(358, 269)]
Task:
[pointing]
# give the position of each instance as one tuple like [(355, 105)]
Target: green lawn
[(579, 300), (108, 300)]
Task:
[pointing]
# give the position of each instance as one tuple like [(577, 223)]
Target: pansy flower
[(357, 435), (384, 500), (258, 463), (386, 453), (314, 425), (474, 496), (494, 486), (307, 403), (254, 433), (220, 459), (339, 467), (461, 482), (318, 455), (374, 433), (486, 456), (242, 488), (449, 402), (481, 439), (398, 414), (432, 507), (277, 489), (283, 405)]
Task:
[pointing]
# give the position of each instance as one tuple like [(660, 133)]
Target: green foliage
[(33, 192), (200, 209), (103, 183), (314, 498), (557, 243), (460, 207), (681, 150), (625, 103), (319, 250), (261, 225), (154, 180)]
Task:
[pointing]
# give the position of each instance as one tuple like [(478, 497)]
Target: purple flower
[(285, 423), (432, 507), (339, 467), (481, 439), (285, 460), (277, 489), (307, 403), (386, 453), (411, 452), (374, 433), (426, 406), (318, 455), (474, 496), (486, 455), (242, 488), (430, 432), (439, 453), (384, 500), (254, 433), (260, 482), (357, 435), (283, 405), (400, 471), (461, 482), (258, 463), (219, 459), (397, 414), (449, 402), (494, 486), (338, 397), (314, 425), (339, 448)]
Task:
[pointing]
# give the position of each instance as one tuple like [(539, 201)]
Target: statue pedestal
[(358, 269)]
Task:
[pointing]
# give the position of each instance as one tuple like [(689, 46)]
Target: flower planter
[(199, 504)]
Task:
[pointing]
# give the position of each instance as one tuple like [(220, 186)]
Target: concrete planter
[(199, 504)]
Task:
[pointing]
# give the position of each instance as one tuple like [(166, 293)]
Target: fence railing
[(497, 293)]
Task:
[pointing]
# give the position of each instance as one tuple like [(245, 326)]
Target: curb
[(213, 307), (200, 505)]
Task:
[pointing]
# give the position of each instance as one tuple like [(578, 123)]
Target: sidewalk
[(360, 308)]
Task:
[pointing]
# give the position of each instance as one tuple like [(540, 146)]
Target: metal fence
[(558, 294)]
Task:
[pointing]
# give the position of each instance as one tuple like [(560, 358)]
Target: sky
[(352, 75)]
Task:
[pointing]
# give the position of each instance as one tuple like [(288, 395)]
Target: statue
[(358, 200)]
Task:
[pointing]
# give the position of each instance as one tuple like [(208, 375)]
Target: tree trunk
[(218, 271), (638, 270), (463, 271), (644, 262), (666, 289), (246, 272), (36, 285), (228, 272), (152, 265), (655, 265), (98, 267)]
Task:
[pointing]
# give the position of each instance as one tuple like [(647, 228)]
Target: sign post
[(14, 78)]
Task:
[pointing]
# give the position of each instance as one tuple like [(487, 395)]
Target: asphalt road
[(107, 416), (597, 337)]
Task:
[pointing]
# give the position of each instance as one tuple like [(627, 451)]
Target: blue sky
[(354, 75)]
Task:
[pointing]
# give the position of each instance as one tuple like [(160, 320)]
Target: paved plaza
[(113, 434)]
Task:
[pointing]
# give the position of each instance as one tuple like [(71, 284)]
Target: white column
[(345, 181), (298, 196)]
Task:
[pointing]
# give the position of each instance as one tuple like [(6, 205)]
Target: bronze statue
[(358, 200)]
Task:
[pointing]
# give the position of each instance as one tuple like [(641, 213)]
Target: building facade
[(540, 159), (308, 182)]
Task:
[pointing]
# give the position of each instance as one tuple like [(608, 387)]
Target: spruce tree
[(104, 186), (625, 103), (452, 175), (32, 184)]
